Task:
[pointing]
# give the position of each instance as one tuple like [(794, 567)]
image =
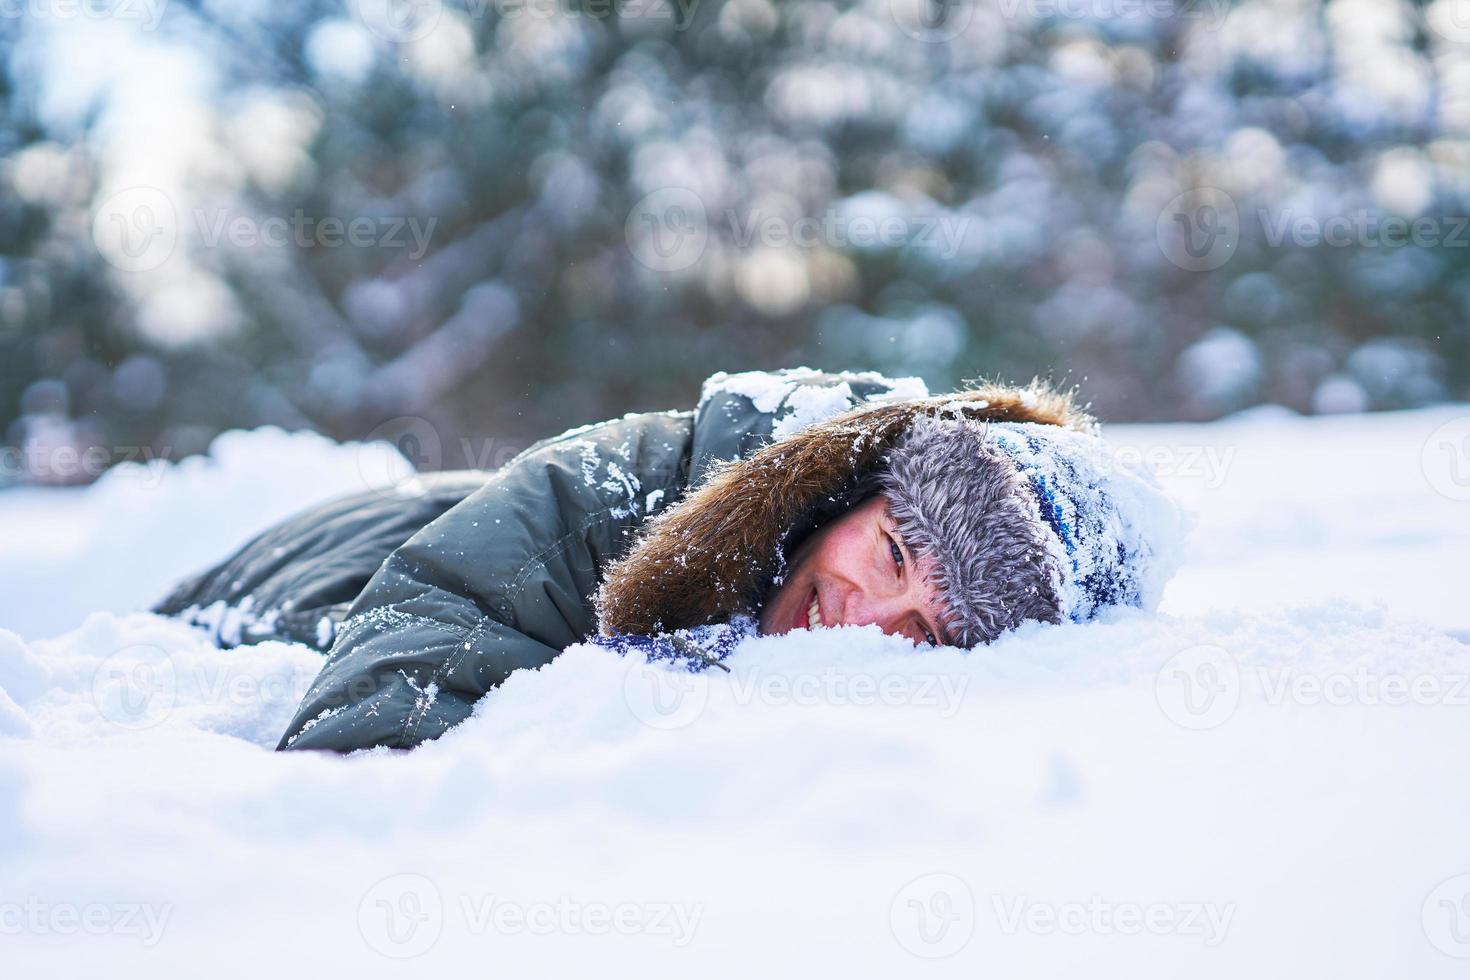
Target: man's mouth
[(809, 615)]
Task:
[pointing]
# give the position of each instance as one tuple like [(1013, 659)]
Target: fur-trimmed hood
[(715, 553)]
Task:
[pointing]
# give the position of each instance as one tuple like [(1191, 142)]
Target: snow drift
[(1269, 777)]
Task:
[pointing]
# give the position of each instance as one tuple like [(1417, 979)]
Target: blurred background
[(501, 218)]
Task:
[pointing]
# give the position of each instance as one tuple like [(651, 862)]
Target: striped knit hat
[(1028, 522)]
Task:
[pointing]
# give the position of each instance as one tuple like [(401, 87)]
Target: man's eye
[(929, 638), (896, 552)]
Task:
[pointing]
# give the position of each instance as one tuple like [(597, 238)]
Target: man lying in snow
[(787, 500)]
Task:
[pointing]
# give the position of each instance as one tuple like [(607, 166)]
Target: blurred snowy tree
[(511, 216)]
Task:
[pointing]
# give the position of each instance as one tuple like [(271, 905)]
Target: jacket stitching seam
[(411, 722), (538, 561), (355, 624)]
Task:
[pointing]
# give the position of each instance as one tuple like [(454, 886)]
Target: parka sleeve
[(499, 582)]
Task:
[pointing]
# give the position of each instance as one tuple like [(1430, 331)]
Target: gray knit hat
[(1028, 522)]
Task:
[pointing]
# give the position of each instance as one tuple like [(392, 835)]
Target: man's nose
[(884, 609)]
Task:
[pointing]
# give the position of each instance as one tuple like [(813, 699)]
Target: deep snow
[(1268, 778)]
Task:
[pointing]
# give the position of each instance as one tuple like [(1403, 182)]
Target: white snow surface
[(1269, 777)]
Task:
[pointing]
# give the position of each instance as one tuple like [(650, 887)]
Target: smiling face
[(853, 571)]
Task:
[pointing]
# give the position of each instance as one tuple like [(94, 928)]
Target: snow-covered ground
[(1269, 778)]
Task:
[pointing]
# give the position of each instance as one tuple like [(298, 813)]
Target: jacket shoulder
[(739, 413)]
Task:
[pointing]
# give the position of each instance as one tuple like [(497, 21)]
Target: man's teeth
[(813, 615)]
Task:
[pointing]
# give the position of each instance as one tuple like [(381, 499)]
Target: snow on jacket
[(424, 603)]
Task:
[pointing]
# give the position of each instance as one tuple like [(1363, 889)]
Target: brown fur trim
[(711, 555)]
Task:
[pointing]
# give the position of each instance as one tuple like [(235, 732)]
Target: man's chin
[(771, 623)]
